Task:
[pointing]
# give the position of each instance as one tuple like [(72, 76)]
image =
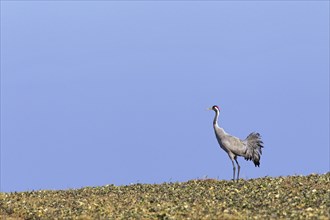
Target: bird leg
[(234, 168), (238, 166)]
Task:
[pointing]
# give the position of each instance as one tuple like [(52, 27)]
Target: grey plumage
[(254, 145), (250, 148)]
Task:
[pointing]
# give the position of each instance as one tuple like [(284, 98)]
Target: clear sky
[(96, 93)]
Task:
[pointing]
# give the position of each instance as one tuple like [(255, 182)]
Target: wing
[(234, 145)]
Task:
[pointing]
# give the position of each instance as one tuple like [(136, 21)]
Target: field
[(292, 197)]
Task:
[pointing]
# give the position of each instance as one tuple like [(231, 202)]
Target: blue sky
[(96, 93)]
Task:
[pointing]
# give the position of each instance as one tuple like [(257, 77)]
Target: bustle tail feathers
[(253, 150)]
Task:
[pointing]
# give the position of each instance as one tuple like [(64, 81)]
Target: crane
[(250, 148)]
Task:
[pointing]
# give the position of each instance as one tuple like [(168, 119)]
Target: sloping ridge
[(292, 197)]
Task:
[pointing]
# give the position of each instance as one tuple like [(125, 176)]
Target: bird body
[(229, 143), (250, 148)]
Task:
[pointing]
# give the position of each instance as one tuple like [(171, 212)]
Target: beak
[(209, 109)]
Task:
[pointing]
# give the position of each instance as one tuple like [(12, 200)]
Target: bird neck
[(215, 121)]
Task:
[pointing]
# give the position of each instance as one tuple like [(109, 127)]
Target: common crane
[(250, 148)]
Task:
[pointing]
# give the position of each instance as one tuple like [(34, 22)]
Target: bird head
[(214, 108)]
